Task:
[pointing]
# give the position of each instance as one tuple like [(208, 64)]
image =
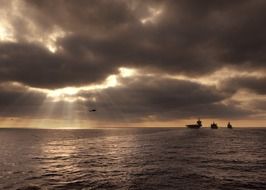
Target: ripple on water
[(135, 159)]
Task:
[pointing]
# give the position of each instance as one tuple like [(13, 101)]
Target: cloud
[(57, 44), (36, 66), (16, 100), (259, 105), (160, 99), (156, 99), (101, 36), (254, 84)]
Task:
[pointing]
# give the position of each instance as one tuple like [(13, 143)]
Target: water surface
[(135, 158)]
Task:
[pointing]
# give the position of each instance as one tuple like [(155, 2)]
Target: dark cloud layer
[(157, 99), (36, 66), (171, 37), (161, 99), (189, 37), (18, 101), (253, 84)]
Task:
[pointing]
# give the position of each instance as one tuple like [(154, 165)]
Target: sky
[(139, 63)]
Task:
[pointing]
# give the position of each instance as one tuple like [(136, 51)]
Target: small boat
[(195, 126), (214, 126), (229, 126)]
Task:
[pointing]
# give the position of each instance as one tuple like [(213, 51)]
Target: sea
[(133, 158)]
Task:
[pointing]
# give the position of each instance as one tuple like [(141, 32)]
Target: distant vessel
[(195, 126), (214, 126), (229, 126)]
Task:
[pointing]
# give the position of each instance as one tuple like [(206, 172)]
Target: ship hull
[(214, 126), (193, 126)]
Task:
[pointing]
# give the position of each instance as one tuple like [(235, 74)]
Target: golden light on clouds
[(67, 91), (154, 14), (6, 33), (6, 28), (216, 78), (127, 72), (50, 41), (69, 94), (20, 16)]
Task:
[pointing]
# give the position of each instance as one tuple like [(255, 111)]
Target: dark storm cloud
[(19, 95), (259, 105), (81, 16), (17, 100), (189, 37), (157, 98), (161, 99), (36, 66), (253, 84)]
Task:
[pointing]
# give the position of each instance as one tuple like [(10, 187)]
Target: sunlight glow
[(50, 42), (217, 77), (67, 94), (70, 94), (64, 91), (154, 14), (6, 34), (126, 72), (111, 81), (52, 48), (33, 33)]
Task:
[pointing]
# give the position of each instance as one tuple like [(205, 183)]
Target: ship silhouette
[(229, 126), (214, 125), (195, 126)]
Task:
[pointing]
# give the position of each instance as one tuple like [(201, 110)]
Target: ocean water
[(133, 158)]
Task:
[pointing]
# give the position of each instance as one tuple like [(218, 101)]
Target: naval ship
[(229, 126), (195, 126), (214, 125)]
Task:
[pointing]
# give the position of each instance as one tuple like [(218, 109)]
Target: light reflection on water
[(133, 159)]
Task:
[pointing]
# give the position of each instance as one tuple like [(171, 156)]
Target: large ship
[(214, 126), (195, 126), (229, 126)]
